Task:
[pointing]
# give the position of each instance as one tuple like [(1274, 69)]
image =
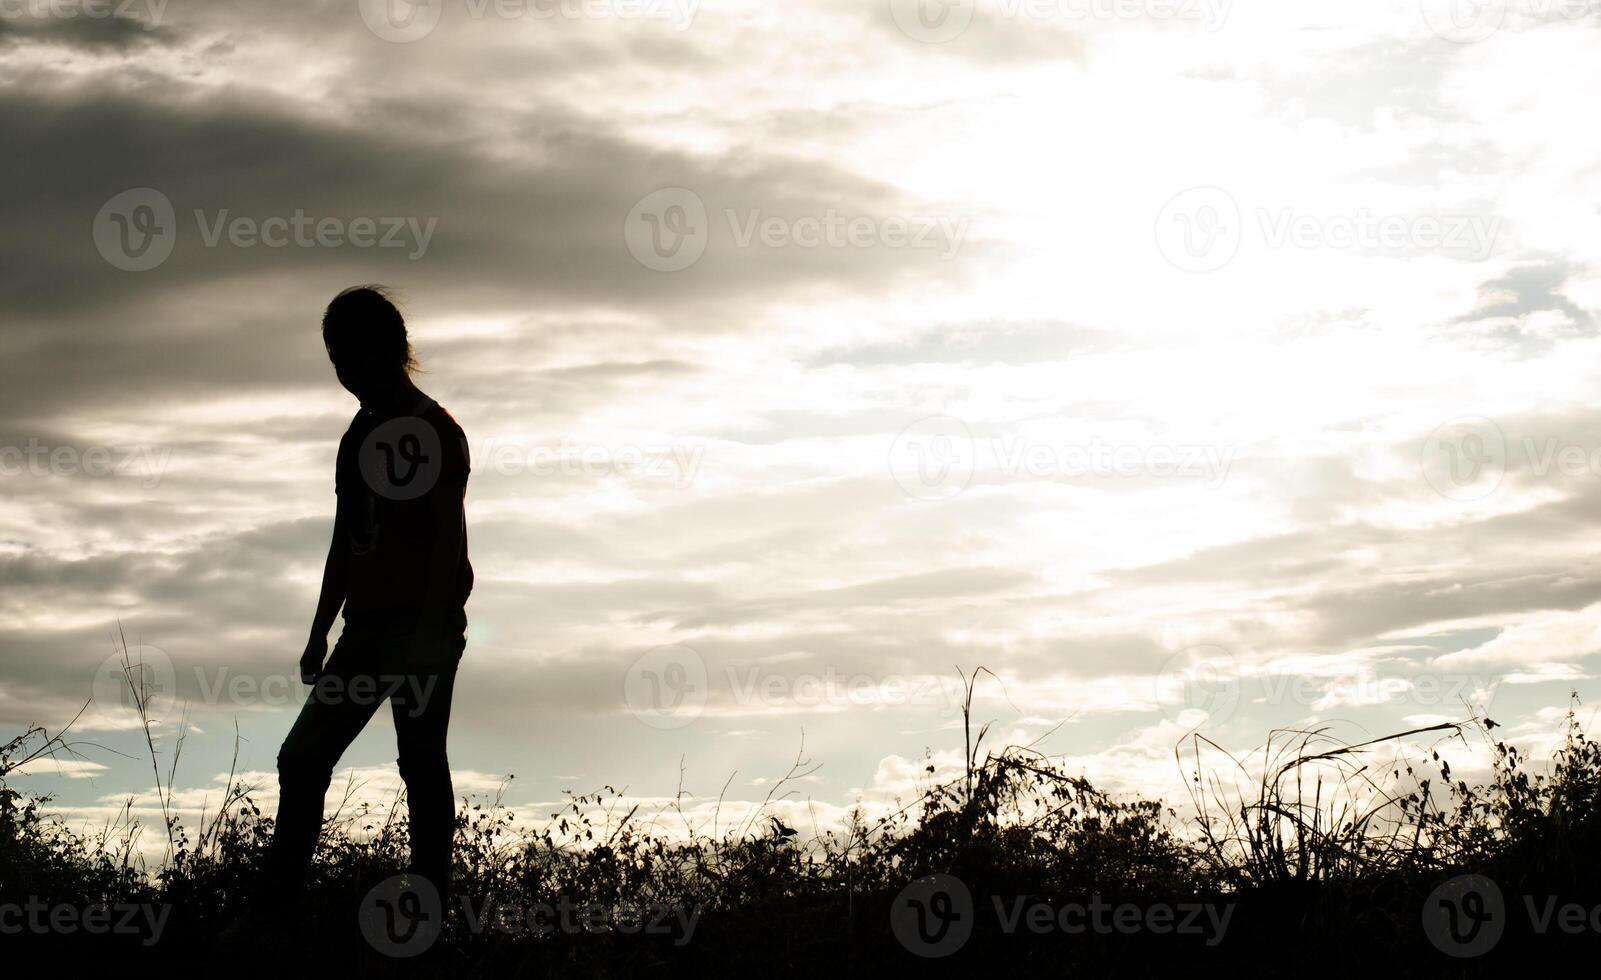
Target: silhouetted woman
[(398, 566)]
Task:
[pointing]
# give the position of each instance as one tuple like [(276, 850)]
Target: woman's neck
[(399, 397)]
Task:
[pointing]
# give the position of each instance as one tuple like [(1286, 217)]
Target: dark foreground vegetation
[(1310, 859)]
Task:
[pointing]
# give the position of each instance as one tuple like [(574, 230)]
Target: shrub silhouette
[(1325, 854)]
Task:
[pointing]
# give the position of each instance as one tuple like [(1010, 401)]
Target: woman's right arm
[(329, 601)]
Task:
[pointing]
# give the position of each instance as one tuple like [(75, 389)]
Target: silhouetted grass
[(1324, 852)]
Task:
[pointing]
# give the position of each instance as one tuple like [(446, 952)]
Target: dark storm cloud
[(542, 230), (1351, 615), (22, 573), (225, 578), (543, 227), (223, 603), (792, 367), (102, 32)]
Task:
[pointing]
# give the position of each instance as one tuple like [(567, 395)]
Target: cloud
[(776, 377), (116, 32)]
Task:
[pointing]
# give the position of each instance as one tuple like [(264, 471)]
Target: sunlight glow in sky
[(1209, 310)]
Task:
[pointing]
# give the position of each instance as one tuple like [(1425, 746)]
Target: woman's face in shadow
[(363, 377)]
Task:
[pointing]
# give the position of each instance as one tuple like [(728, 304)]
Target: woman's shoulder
[(440, 416), (451, 435)]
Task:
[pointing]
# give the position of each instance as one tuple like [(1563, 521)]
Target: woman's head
[(366, 340)]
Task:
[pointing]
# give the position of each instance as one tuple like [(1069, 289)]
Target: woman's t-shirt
[(390, 471)]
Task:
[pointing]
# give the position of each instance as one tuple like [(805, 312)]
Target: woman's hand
[(311, 660)]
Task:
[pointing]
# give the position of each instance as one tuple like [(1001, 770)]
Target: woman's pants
[(360, 675)]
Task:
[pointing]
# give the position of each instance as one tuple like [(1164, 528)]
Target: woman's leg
[(422, 717), (334, 714)]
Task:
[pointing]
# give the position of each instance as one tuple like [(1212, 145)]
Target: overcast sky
[(1187, 363)]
